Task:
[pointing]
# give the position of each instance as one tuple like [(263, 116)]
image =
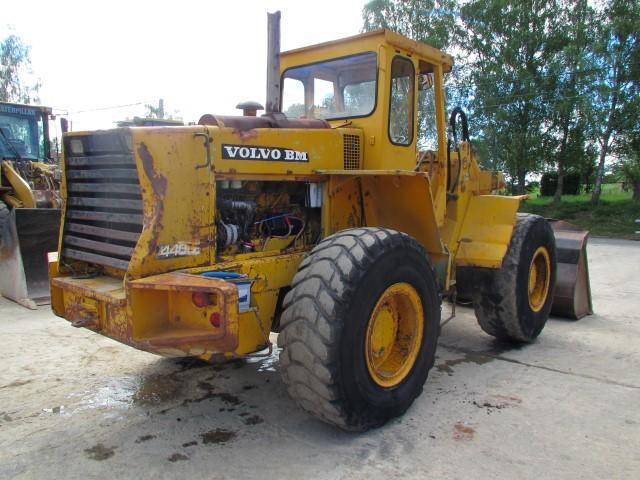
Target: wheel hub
[(394, 334), (539, 279)]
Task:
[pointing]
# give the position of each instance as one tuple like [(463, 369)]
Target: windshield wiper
[(11, 146)]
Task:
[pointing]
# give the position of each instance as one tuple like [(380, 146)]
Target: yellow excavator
[(29, 202)]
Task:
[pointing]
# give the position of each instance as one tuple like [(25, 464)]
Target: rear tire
[(328, 319), (513, 303)]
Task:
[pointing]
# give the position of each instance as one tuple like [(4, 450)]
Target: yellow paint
[(486, 230), (57, 295), (394, 335), (178, 198), (23, 196)]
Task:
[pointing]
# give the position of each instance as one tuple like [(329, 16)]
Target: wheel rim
[(539, 279), (394, 334)]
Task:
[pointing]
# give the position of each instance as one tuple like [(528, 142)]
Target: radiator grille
[(103, 217), (352, 153)]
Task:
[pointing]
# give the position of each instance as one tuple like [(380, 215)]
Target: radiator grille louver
[(352, 152), (103, 218)]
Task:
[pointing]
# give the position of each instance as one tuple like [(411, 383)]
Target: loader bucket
[(572, 295), (29, 236)]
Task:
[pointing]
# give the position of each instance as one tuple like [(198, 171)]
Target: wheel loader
[(29, 202), (339, 219)]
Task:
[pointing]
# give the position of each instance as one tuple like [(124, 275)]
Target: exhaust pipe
[(273, 63)]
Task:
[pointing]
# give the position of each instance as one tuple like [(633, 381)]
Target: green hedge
[(549, 182)]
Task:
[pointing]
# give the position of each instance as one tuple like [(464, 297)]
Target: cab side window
[(427, 126), (401, 101)]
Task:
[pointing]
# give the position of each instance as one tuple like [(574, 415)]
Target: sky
[(199, 56)]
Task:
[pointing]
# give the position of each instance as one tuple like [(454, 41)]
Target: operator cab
[(24, 132), (391, 89)]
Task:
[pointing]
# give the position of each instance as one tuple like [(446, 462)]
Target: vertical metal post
[(273, 62)]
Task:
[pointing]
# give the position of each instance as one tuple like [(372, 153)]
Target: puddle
[(145, 438), (100, 452), (190, 363), (266, 364), (209, 394), (219, 435), (498, 402), (498, 348), (176, 457), (167, 390), (253, 420), (117, 393), (127, 392), (477, 358), (228, 398), (155, 390)]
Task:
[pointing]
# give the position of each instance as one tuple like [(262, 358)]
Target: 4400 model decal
[(180, 249), (256, 152)]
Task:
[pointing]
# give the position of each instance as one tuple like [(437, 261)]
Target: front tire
[(514, 302), (359, 327)]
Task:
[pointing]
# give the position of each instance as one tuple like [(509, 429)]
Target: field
[(614, 217)]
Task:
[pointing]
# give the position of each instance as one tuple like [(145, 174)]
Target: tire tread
[(312, 375)]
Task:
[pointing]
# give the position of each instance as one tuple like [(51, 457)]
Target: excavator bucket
[(572, 296), (30, 234)]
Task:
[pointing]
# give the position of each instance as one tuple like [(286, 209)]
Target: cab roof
[(381, 36), (41, 108)]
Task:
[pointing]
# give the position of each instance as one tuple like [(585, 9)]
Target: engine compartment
[(259, 216)]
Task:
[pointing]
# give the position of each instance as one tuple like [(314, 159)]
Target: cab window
[(427, 126), (401, 101), (333, 89)]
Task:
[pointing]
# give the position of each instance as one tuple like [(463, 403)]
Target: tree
[(617, 85), (509, 46), (156, 112), (628, 166), (428, 21), (15, 64), (571, 74), (295, 110)]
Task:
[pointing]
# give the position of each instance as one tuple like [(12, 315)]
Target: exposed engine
[(259, 216)]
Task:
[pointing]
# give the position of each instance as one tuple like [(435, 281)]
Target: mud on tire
[(501, 297), (324, 324)]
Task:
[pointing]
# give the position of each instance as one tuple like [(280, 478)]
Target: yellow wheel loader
[(338, 219), (29, 203)]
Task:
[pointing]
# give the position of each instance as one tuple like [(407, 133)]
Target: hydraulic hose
[(452, 141)]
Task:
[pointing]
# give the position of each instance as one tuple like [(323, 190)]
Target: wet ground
[(76, 405)]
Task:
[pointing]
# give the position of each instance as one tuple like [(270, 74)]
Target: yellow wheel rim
[(394, 335), (539, 279)]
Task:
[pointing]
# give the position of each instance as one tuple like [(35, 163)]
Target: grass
[(615, 216)]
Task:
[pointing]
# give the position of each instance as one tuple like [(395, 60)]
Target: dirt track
[(77, 405)]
